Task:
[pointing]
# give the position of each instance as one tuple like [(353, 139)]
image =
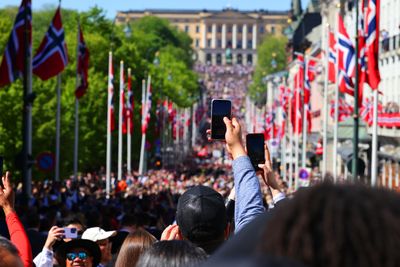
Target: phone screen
[(255, 149), (219, 109)]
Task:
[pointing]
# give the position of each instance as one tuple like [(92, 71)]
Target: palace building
[(227, 36)]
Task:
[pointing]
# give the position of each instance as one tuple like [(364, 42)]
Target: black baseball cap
[(201, 214)]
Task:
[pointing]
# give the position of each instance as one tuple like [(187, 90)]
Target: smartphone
[(70, 233), (255, 149), (220, 108)]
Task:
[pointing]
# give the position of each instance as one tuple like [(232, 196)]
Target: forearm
[(44, 258), (249, 202), (19, 238)]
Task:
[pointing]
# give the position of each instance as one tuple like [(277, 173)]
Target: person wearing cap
[(79, 252), (201, 219), (101, 237)]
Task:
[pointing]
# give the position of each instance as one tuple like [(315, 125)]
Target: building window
[(197, 42), (197, 29), (229, 28), (186, 28), (219, 43), (219, 59), (272, 29), (262, 29), (249, 59), (240, 28), (209, 28), (249, 44), (239, 44), (219, 29), (209, 43), (250, 29), (229, 43), (208, 58), (239, 59)]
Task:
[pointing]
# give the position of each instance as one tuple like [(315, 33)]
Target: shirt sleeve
[(19, 238), (248, 202), (44, 258)]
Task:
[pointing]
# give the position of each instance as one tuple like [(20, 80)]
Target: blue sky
[(111, 6)]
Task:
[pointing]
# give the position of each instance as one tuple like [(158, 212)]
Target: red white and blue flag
[(12, 64), (372, 43), (82, 66), (345, 109), (110, 102), (146, 108), (347, 60), (52, 56), (129, 104), (332, 58)]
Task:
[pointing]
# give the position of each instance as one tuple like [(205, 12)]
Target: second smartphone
[(255, 149), (220, 108)]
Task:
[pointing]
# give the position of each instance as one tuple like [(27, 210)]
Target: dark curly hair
[(337, 225)]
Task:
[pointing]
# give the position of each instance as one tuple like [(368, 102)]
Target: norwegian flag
[(347, 60), (129, 107), (271, 130), (82, 66), (122, 98), (52, 55), (110, 101), (147, 107), (297, 105), (332, 58), (345, 109), (12, 65), (310, 76), (372, 43), (362, 64)]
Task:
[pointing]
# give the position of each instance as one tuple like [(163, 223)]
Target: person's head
[(201, 217), (79, 252), (134, 245), (101, 237), (175, 253), (9, 256), (337, 225)]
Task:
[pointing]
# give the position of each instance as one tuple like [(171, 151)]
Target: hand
[(172, 232), (55, 233), (233, 138), (7, 194), (268, 173)]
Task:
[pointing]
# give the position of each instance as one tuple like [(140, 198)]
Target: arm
[(45, 257), (17, 233), (249, 202)]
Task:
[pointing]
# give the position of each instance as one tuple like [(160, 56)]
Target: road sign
[(303, 174), (45, 162)]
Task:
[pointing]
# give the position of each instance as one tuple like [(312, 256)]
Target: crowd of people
[(211, 210)]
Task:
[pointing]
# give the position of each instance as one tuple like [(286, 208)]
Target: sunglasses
[(73, 255)]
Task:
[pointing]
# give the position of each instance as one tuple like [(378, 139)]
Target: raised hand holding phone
[(255, 149)]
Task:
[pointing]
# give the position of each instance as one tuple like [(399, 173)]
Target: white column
[(204, 41), (234, 36), (214, 36), (223, 36), (390, 175), (254, 36), (244, 36)]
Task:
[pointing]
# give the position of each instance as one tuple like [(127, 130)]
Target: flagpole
[(355, 114), (325, 126), (108, 160), (304, 148), (194, 124), (374, 148), (27, 110), (129, 138), (76, 141), (297, 133), (57, 177), (290, 129), (336, 109), (121, 103), (144, 101)]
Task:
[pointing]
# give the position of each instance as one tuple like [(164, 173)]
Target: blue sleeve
[(248, 200)]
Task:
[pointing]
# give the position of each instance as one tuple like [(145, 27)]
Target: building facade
[(227, 36)]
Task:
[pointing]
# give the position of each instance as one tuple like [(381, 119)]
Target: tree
[(271, 58), (152, 38)]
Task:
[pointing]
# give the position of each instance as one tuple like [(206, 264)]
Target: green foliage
[(152, 40), (272, 48)]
